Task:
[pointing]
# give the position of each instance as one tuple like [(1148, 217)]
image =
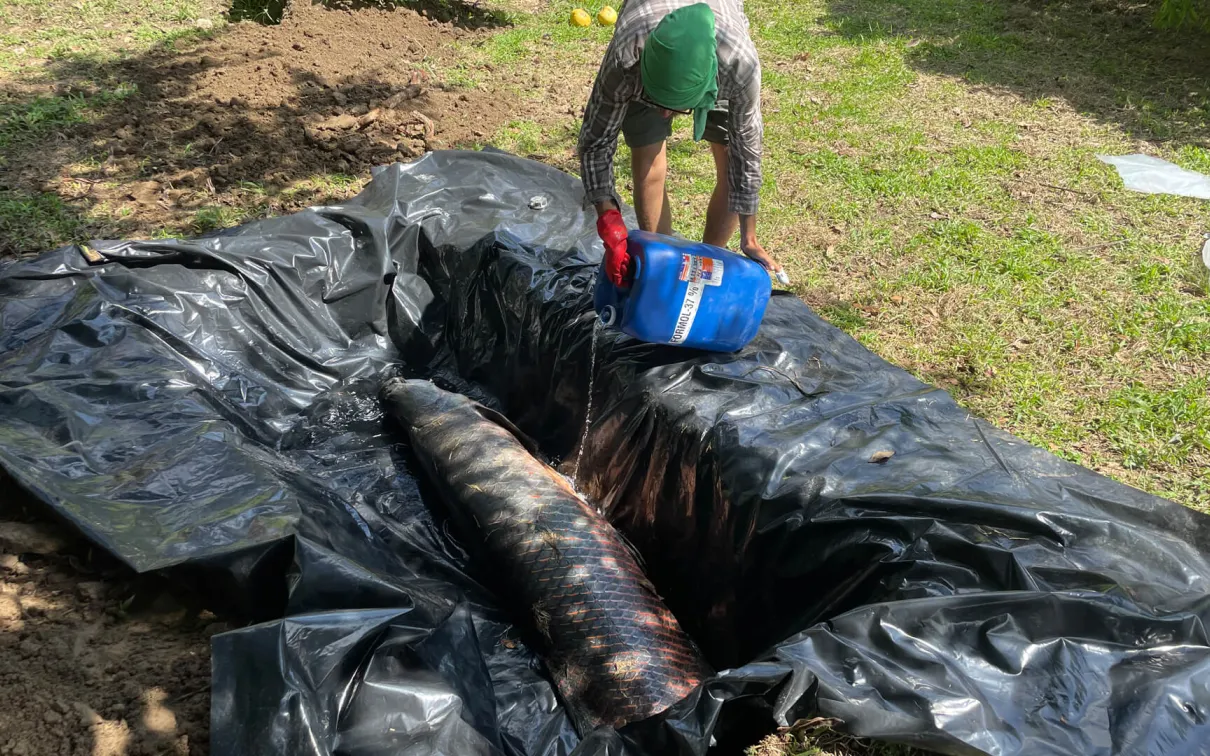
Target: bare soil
[(94, 661), (253, 111)]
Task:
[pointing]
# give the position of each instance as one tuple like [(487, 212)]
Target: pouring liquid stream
[(592, 374)]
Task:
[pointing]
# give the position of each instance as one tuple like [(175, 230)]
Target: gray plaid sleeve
[(599, 134), (747, 133)]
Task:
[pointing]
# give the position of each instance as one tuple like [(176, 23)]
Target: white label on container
[(699, 272), (708, 270)]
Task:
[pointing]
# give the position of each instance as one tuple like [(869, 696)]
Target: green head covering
[(679, 63)]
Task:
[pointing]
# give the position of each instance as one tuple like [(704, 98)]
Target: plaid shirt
[(619, 83)]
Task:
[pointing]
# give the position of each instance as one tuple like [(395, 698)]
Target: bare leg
[(720, 223), (649, 167)]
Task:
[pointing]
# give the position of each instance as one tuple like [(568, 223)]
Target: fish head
[(419, 402)]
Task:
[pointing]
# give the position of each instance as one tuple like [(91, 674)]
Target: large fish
[(617, 655)]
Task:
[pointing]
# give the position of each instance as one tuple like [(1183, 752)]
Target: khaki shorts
[(645, 126)]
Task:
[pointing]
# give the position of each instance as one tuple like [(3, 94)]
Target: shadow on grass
[(177, 142), (1104, 57), (465, 15)]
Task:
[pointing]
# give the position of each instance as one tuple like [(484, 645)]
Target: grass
[(260, 11), (1155, 427), (37, 31), (36, 119), (215, 217), (36, 221)]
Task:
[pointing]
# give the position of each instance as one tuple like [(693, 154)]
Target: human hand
[(753, 249)]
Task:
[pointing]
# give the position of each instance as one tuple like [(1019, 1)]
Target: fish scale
[(616, 653)]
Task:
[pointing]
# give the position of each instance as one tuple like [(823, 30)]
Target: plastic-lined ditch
[(849, 537)]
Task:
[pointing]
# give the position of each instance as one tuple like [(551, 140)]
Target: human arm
[(598, 141), (598, 144), (749, 245), (744, 171)]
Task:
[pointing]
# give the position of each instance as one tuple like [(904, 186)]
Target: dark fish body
[(615, 651)]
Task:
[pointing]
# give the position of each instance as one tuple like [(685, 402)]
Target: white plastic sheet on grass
[(1151, 175)]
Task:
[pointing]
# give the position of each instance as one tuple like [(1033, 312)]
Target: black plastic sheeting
[(208, 408)]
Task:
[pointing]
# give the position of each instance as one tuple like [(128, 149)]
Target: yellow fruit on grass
[(607, 16), (580, 17)]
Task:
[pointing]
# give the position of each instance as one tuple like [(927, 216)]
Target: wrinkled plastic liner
[(208, 408), (1152, 175)]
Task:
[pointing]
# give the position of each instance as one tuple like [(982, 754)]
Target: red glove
[(612, 230)]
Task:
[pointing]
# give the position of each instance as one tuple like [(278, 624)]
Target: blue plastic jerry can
[(686, 294)]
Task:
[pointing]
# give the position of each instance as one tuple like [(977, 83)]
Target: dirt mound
[(259, 109), (254, 104), (94, 662)]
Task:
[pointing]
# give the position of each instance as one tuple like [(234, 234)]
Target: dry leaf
[(880, 457)]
